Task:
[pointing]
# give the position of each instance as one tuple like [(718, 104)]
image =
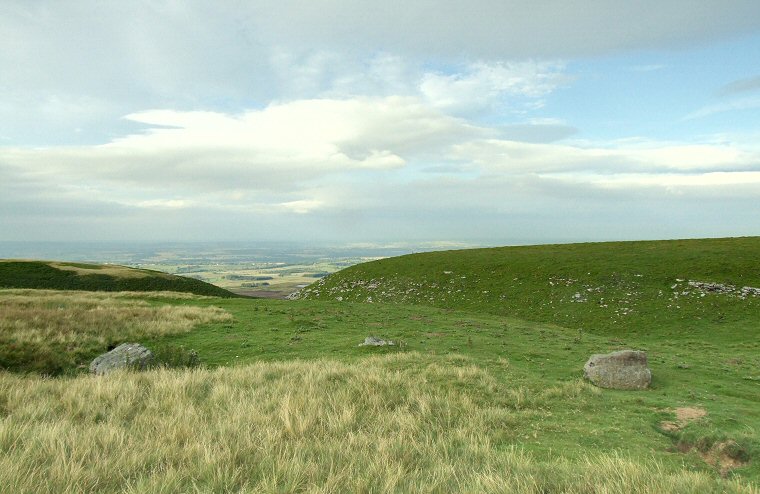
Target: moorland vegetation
[(483, 392)]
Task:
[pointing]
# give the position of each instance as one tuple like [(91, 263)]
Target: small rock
[(375, 341), (625, 369), (126, 355)]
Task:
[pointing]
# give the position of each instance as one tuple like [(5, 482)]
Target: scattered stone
[(625, 369), (126, 355), (375, 341), (578, 297), (705, 287)]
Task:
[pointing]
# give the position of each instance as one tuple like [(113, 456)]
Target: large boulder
[(625, 369), (124, 356)]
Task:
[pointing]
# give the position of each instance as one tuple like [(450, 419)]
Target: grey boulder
[(375, 341), (625, 369), (124, 356)]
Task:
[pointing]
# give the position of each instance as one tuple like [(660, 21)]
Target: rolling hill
[(96, 277), (483, 391), (645, 287)]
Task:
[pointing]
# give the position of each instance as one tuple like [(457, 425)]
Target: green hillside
[(483, 390), (95, 277), (643, 287)]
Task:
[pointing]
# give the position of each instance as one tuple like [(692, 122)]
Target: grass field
[(478, 398), (616, 288), (53, 332), (258, 278), (398, 423)]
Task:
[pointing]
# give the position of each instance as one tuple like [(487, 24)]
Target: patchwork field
[(257, 279), (478, 396)]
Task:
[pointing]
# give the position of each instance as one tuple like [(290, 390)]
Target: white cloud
[(501, 156), (486, 84), (729, 106), (279, 148), (165, 204), (301, 207)]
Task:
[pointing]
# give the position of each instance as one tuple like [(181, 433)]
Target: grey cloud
[(537, 133), (530, 208), (741, 86), (504, 29)]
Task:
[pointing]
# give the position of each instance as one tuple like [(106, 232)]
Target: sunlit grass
[(50, 331), (398, 423)]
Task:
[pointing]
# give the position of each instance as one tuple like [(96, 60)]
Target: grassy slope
[(623, 288), (94, 277), (536, 402), (535, 367), (399, 423)]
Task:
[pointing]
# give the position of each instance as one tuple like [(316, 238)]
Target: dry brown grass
[(110, 270), (399, 423), (48, 331)]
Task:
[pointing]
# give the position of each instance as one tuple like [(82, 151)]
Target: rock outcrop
[(625, 369), (375, 341), (126, 355)]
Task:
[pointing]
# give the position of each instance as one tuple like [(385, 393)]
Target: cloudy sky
[(347, 121)]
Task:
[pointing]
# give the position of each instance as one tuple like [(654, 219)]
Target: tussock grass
[(49, 331), (166, 294), (397, 423)]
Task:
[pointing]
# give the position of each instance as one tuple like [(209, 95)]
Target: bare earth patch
[(684, 415), (723, 457)]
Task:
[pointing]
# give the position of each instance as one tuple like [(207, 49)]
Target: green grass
[(94, 277), (621, 288), (718, 374), (480, 395)]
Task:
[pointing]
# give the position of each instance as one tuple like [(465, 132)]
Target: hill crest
[(58, 275), (599, 286)]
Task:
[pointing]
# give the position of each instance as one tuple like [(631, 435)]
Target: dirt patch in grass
[(684, 416), (725, 456)]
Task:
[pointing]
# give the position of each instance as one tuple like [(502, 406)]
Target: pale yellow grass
[(165, 294), (400, 423), (108, 269), (68, 317)]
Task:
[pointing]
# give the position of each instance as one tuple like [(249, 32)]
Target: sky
[(369, 123)]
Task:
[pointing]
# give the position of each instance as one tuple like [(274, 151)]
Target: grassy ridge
[(94, 277), (616, 287)]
